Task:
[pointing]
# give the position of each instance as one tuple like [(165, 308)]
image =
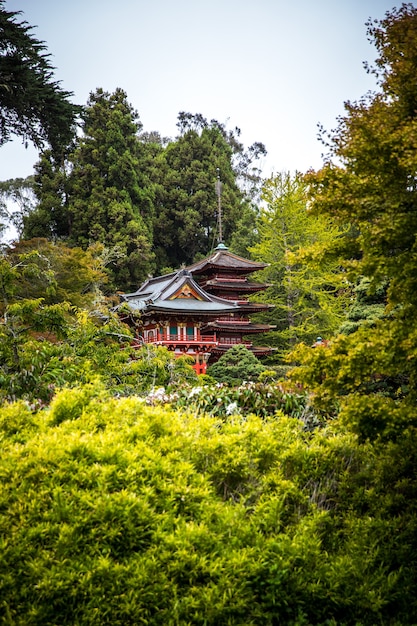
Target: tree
[(32, 104), (59, 273), (245, 235), (368, 306), (374, 187), (186, 224), (308, 295), (50, 215), (18, 191), (238, 364), (110, 195)]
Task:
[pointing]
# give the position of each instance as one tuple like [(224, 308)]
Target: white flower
[(195, 391), (231, 408)]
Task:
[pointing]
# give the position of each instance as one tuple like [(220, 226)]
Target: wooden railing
[(183, 338), (234, 320), (229, 341)]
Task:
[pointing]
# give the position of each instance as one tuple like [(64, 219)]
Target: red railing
[(234, 320), (183, 338)]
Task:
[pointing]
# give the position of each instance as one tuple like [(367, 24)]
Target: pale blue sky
[(274, 68)]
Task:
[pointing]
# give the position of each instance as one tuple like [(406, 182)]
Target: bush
[(257, 398), (238, 364), (133, 514)]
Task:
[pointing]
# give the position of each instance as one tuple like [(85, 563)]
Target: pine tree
[(110, 193), (32, 105)]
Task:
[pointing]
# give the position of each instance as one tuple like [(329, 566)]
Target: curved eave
[(255, 307), (227, 269), (223, 260), (235, 287), (178, 311), (242, 329)]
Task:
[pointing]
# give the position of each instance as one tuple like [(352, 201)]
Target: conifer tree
[(32, 104), (187, 203), (49, 217), (110, 193)]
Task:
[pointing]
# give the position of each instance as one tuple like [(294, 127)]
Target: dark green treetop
[(186, 226), (110, 195), (32, 104), (238, 364)]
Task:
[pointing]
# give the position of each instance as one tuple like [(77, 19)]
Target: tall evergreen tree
[(49, 218), (110, 193), (187, 205)]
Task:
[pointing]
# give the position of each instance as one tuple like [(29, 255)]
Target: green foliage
[(238, 364), (32, 104), (57, 273), (307, 289), (104, 194), (368, 308), (46, 347), (186, 221), (46, 343), (157, 367), (69, 404), (112, 512), (371, 374), (49, 218), (110, 198), (16, 422), (249, 398), (359, 376), (245, 234), (150, 201)]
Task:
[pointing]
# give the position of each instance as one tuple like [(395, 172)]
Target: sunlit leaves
[(115, 512), (307, 287)]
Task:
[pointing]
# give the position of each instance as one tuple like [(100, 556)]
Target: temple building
[(201, 310)]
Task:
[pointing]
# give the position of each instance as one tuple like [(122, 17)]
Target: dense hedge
[(115, 512)]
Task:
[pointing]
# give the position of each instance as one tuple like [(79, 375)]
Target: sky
[(273, 68)]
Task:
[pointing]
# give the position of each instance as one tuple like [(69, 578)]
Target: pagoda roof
[(242, 285), (176, 293), (239, 327), (254, 307), (222, 259)]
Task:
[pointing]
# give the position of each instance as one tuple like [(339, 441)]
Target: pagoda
[(225, 275), (204, 309), (201, 310)]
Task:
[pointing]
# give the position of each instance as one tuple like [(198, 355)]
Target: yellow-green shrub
[(115, 512)]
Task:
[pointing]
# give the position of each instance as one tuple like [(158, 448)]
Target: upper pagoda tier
[(224, 262), (225, 274)]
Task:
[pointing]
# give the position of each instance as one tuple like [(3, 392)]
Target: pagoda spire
[(220, 243)]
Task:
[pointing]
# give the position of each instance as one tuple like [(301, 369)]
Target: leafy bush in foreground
[(114, 512)]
